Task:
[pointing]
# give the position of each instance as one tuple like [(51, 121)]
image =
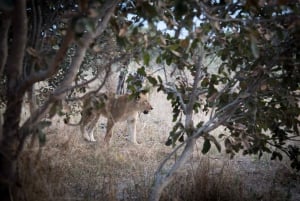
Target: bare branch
[(80, 53), (68, 39), (108, 70), (107, 11), (206, 10), (194, 93), (54, 66), (226, 87), (58, 94), (31, 122)]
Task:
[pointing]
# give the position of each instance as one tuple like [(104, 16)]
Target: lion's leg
[(87, 126), (84, 132), (109, 130), (91, 128), (131, 128)]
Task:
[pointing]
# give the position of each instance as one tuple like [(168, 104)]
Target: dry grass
[(203, 184), (72, 169), (68, 168)]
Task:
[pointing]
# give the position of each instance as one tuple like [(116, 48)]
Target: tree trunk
[(9, 144), (162, 180), (11, 132)]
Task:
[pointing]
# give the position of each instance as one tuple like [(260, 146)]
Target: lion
[(115, 108)]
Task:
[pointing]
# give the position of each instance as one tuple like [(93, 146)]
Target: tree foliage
[(253, 91), (238, 61), (256, 85)]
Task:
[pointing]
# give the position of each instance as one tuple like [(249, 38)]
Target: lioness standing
[(115, 108)]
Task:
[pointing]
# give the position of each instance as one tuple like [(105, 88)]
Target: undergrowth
[(67, 168)]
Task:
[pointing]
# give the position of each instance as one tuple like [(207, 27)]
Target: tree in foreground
[(23, 64), (252, 91)]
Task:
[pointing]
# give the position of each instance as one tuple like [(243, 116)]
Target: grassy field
[(69, 168)]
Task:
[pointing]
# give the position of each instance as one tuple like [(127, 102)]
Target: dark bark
[(9, 144), (13, 70), (4, 28)]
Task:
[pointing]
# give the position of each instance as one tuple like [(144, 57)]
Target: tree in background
[(253, 89)]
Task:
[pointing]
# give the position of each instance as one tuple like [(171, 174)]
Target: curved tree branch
[(53, 67), (107, 67)]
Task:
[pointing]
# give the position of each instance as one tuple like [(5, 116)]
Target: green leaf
[(224, 98), (159, 79), (205, 82), (181, 138), (214, 140), (275, 155), (169, 60), (228, 145), (146, 58), (214, 79), (206, 146), (169, 96), (196, 107), (152, 80), (200, 124), (141, 71), (194, 44), (169, 142), (158, 59)]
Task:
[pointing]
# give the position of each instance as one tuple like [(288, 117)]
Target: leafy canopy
[(248, 56)]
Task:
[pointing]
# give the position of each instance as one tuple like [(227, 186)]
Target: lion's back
[(117, 107), (122, 107)]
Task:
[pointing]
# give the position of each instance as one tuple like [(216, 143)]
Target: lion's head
[(142, 103)]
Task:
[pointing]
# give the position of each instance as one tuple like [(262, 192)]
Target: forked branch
[(162, 180)]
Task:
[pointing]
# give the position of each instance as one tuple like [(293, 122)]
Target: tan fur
[(115, 108)]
